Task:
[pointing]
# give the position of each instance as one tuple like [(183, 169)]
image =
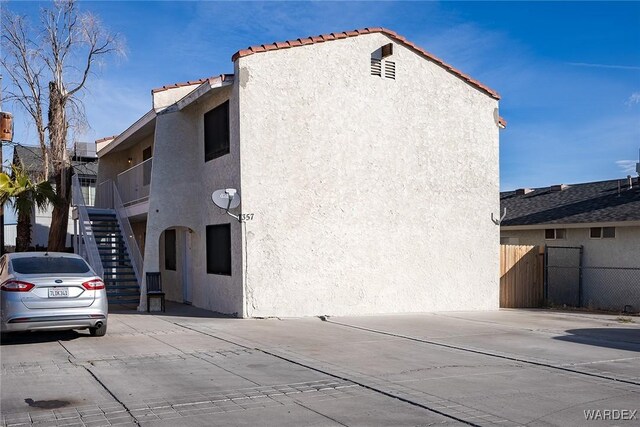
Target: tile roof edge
[(369, 30), (224, 77), (106, 138)]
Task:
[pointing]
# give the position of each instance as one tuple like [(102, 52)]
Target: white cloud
[(633, 99), (628, 167), (611, 66)]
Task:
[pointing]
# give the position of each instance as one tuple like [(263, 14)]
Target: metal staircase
[(107, 242), (119, 275)]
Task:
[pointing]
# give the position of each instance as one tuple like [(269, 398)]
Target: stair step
[(121, 280), (124, 301), (123, 294), (124, 287)]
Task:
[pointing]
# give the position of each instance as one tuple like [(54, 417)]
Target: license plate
[(58, 292)]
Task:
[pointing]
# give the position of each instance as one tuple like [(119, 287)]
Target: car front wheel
[(99, 331)]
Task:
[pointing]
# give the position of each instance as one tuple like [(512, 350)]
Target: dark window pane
[(596, 232), (170, 250), (219, 249), (549, 233), (146, 168), (609, 232), (216, 132), (561, 233), (49, 265)]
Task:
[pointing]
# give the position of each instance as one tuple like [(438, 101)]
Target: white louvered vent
[(376, 67), (390, 70)]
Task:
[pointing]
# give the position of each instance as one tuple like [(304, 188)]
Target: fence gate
[(563, 275), (521, 276)]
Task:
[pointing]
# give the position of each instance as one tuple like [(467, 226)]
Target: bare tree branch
[(48, 68)]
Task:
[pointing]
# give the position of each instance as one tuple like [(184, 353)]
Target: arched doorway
[(175, 261)]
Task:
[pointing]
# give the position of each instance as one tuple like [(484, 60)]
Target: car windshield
[(46, 264)]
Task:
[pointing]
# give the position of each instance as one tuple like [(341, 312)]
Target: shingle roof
[(343, 35), (589, 202), (30, 157)]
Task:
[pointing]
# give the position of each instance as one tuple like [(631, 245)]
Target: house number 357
[(246, 217)]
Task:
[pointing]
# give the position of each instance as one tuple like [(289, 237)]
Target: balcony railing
[(133, 184)]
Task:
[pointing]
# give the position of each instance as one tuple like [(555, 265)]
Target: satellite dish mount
[(226, 199)]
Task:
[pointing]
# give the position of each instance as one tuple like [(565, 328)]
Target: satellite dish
[(226, 198)]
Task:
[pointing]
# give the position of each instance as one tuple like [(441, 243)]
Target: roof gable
[(251, 50)]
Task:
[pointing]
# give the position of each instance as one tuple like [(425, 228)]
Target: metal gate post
[(580, 277), (546, 275)]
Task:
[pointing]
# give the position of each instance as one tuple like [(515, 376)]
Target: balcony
[(133, 186)]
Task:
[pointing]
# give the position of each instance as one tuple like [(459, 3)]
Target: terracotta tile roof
[(192, 82), (392, 34), (106, 138), (502, 122)]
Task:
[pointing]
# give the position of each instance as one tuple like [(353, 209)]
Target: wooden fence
[(521, 276)]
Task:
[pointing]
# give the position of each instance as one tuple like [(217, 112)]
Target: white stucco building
[(369, 167)]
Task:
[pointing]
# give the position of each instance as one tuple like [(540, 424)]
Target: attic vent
[(376, 67), (523, 191), (559, 187), (390, 69)]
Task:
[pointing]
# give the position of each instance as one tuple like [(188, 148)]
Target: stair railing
[(89, 244), (127, 231)]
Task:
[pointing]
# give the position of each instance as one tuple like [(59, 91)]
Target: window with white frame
[(602, 232), (555, 234)]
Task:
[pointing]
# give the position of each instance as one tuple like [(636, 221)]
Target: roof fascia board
[(141, 122), (572, 225), (201, 91)]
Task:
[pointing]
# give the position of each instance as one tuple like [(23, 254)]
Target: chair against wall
[(154, 289)]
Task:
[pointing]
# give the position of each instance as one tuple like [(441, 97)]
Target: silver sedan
[(50, 291)]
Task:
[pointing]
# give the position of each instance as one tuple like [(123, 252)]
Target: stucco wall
[(619, 252), (370, 195), (181, 187)]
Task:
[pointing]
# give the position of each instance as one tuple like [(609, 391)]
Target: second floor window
[(216, 132)]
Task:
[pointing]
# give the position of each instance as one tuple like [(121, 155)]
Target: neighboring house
[(603, 217), (591, 233), (368, 167), (84, 162)]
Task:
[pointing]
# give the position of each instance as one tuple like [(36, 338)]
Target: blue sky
[(568, 73)]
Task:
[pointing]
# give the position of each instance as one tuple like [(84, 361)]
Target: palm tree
[(24, 195)]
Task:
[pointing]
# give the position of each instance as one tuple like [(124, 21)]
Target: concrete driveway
[(185, 367)]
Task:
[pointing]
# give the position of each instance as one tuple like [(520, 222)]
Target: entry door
[(186, 268)]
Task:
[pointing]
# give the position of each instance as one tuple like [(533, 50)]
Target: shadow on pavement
[(173, 309), (618, 338), (19, 338)]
